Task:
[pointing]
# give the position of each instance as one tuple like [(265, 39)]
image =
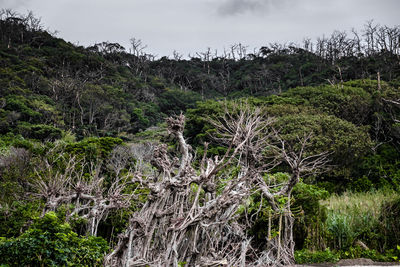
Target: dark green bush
[(40, 132), (310, 216), (175, 101), (93, 147), (390, 223), (15, 218), (381, 169), (49, 242)]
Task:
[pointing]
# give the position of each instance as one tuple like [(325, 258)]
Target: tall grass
[(359, 202), (355, 217)]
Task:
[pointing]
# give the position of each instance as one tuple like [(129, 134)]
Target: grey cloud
[(236, 7), (13, 4)]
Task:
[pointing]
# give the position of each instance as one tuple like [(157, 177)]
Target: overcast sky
[(190, 26)]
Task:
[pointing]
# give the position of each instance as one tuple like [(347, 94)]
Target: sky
[(190, 26)]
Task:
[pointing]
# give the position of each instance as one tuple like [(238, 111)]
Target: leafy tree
[(349, 103), (175, 101), (93, 148)]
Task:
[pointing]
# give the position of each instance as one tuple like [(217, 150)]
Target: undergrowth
[(357, 226)]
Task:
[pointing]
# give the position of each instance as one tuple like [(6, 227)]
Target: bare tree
[(139, 62), (186, 217), (81, 186), (300, 163), (190, 214)]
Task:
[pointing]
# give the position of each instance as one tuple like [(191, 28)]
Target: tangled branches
[(80, 186), (190, 212), (188, 217)]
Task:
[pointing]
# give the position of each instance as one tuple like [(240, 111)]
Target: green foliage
[(41, 132), (369, 86), (307, 256), (49, 242), (332, 256), (198, 128), (93, 148), (362, 184), (15, 171), (356, 217), (174, 101), (309, 214), (390, 224), (140, 120), (16, 217), (358, 252), (309, 227), (381, 169), (152, 134), (17, 141), (346, 141), (19, 104), (343, 234), (349, 103)]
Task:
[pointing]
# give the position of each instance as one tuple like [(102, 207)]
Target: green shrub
[(93, 147), (361, 184), (310, 216), (348, 103), (17, 141), (40, 132), (175, 101), (15, 218), (381, 169), (307, 256), (358, 252), (49, 242)]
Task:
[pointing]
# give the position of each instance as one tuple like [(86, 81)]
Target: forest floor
[(352, 263)]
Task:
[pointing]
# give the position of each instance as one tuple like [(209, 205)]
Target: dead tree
[(300, 162), (83, 191), (265, 150), (391, 105), (190, 214)]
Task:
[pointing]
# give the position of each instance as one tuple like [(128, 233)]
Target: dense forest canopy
[(261, 140)]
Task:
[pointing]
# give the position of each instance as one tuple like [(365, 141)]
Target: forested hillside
[(109, 155)]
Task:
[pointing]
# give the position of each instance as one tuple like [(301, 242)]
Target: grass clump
[(355, 219), (305, 256)]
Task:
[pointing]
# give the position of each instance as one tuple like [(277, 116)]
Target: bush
[(16, 217), (310, 216), (49, 242), (308, 256), (93, 148), (175, 101), (390, 222), (358, 252), (40, 132)]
